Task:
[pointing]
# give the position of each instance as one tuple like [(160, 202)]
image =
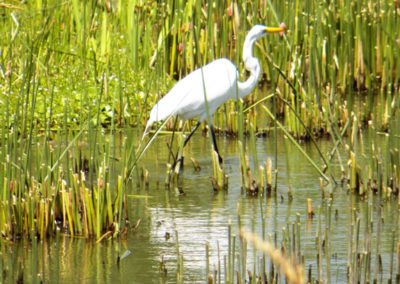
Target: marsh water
[(168, 223)]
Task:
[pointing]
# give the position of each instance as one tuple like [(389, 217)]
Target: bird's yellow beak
[(281, 29)]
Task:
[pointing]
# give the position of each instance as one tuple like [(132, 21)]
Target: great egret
[(216, 82)]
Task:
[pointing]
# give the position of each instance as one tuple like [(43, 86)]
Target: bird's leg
[(180, 158), (171, 154), (214, 141), (191, 133)]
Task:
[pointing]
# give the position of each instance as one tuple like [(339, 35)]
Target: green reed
[(53, 185), (327, 49)]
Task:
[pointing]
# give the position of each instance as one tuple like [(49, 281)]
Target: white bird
[(216, 82)]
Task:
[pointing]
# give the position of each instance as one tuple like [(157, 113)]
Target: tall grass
[(49, 181), (333, 53)]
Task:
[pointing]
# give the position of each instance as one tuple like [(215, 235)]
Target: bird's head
[(256, 32), (261, 30)]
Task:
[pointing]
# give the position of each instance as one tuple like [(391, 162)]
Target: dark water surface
[(201, 217)]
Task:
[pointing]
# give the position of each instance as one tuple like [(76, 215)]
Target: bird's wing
[(186, 98)]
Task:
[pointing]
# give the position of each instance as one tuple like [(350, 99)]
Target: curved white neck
[(251, 63)]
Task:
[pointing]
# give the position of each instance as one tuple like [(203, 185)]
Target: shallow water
[(200, 217)]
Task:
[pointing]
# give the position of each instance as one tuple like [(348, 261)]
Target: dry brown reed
[(293, 272)]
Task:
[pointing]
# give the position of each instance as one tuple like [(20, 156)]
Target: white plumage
[(219, 81), (187, 98)]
